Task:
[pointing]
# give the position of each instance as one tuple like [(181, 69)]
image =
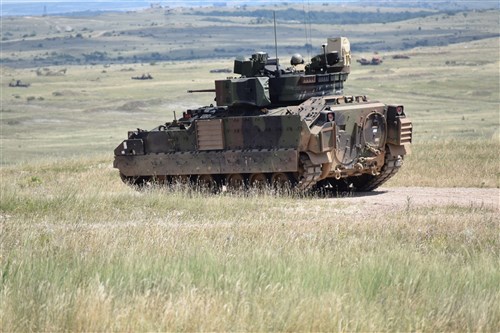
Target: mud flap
[(321, 158)]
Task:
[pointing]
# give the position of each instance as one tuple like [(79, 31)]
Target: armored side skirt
[(210, 162)]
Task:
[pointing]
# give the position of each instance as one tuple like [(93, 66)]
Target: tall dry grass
[(82, 251), (451, 163)]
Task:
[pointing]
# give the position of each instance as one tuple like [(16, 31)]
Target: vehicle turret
[(263, 82)]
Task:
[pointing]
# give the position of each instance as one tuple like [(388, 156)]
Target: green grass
[(451, 163), (82, 251)]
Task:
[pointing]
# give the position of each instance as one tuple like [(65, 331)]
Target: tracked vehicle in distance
[(274, 125)]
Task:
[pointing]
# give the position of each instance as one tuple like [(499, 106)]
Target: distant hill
[(158, 35), (39, 8), (77, 7)]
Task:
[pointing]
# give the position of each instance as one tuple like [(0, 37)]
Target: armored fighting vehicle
[(374, 61), (276, 125)]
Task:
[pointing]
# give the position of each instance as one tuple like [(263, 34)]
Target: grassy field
[(82, 251)]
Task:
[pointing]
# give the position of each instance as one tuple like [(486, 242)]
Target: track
[(310, 174), (390, 168)]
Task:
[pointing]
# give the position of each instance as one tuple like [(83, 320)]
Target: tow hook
[(338, 174)]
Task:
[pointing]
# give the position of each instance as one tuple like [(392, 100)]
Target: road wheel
[(258, 181), (280, 181), (235, 181), (206, 182), (180, 180), (138, 181)]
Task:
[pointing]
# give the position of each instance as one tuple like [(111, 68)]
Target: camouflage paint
[(278, 123)]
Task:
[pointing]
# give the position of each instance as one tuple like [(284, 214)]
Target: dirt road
[(399, 197)]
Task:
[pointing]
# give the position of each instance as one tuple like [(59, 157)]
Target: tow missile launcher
[(276, 125)]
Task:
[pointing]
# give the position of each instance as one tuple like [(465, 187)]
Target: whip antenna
[(276, 44)]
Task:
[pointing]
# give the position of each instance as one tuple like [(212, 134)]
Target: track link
[(390, 168), (311, 174)]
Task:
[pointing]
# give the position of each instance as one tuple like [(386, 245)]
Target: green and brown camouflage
[(277, 125), (265, 83)]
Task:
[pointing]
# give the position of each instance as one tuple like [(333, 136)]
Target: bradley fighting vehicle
[(276, 125)]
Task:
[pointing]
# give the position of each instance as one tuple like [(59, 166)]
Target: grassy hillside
[(180, 34)]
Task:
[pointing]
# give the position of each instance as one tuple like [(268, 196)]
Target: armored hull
[(288, 127)]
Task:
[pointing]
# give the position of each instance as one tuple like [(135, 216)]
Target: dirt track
[(398, 197)]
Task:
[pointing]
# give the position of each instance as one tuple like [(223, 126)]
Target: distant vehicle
[(373, 61), (143, 77), (18, 83), (400, 56), (277, 126)]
